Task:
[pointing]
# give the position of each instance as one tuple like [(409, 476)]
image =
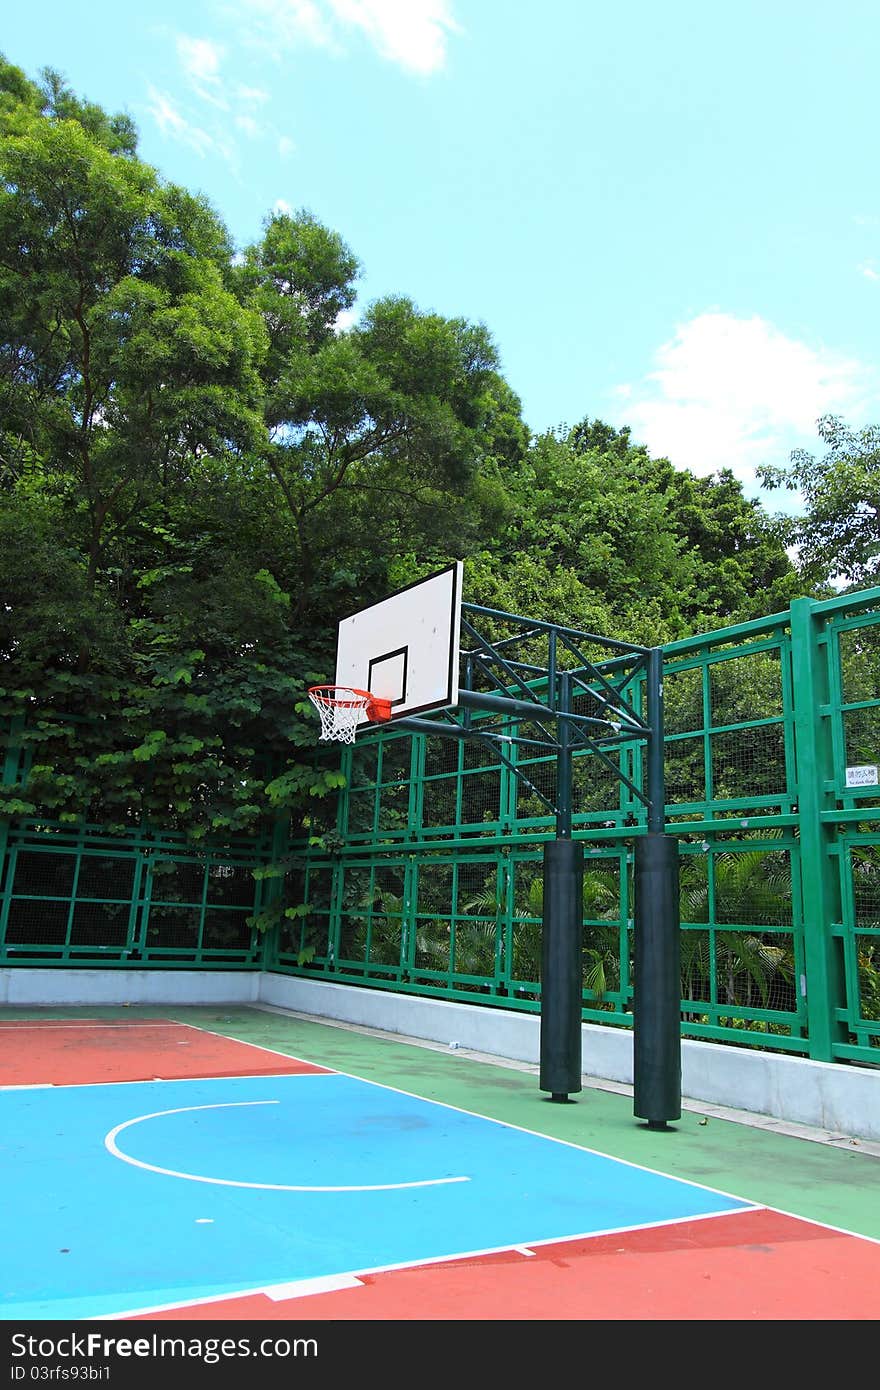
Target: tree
[(300, 278), (602, 537), (375, 427), (142, 631), (19, 97), (838, 533), (116, 133), (742, 566), (124, 358), (161, 615), (739, 566)]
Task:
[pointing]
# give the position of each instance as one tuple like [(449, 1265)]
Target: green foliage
[(625, 545), (751, 887), (375, 436), (838, 532), (300, 279)]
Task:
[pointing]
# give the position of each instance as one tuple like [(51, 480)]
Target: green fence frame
[(433, 886), (85, 898), (780, 931)]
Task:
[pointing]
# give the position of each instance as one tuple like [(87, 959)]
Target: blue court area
[(130, 1197)]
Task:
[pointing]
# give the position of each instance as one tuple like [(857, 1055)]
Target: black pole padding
[(561, 968), (657, 982)]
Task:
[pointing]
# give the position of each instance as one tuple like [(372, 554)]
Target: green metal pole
[(563, 761), (11, 764), (814, 777), (657, 952), (270, 942), (656, 751)]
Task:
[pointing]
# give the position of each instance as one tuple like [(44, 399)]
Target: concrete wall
[(36, 988), (835, 1097), (841, 1098)]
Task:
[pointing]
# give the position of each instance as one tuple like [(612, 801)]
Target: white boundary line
[(113, 1148)]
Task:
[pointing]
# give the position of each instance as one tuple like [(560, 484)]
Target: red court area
[(746, 1266), (59, 1052)]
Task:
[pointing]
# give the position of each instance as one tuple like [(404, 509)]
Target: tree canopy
[(208, 457), (838, 532)]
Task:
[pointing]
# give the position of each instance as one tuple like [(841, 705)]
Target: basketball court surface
[(246, 1164)]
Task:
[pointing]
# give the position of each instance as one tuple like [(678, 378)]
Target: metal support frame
[(515, 694)]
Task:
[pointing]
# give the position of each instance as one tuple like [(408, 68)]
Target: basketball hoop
[(341, 707)]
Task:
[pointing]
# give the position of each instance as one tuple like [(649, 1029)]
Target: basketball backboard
[(406, 647)]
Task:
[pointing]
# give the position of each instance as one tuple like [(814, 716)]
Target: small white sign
[(861, 777)]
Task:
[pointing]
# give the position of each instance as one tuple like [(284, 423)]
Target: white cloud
[(735, 393), (248, 126), (283, 24), (251, 96), (281, 208), (172, 122), (869, 270), (410, 33), (200, 60)]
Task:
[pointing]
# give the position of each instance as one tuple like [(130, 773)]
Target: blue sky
[(666, 215)]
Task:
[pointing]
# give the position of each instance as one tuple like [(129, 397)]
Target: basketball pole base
[(656, 982), (561, 987)]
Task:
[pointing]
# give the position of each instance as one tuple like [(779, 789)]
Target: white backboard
[(406, 647)]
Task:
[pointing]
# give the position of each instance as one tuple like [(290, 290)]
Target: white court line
[(112, 1147), (301, 1288), (259, 1047), (358, 1276), (173, 1080), (57, 1025), (748, 1203)]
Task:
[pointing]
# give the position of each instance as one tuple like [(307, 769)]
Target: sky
[(667, 216)]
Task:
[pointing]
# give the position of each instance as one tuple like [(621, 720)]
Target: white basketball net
[(340, 712)]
